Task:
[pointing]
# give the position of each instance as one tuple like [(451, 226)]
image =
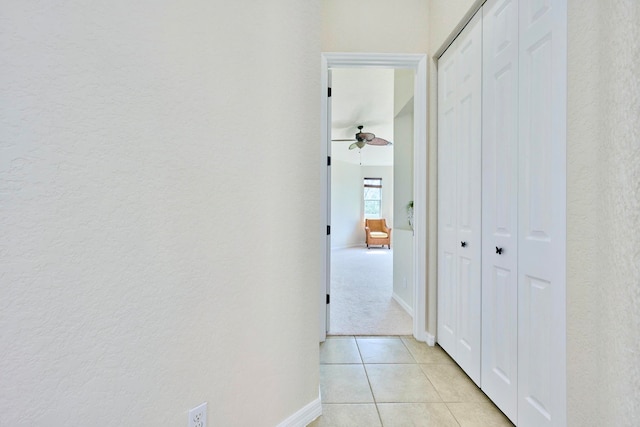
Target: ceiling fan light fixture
[(363, 138)]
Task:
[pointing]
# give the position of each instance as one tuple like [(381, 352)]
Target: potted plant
[(410, 214)]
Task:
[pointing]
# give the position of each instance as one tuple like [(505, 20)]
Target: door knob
[(498, 250), (463, 244)]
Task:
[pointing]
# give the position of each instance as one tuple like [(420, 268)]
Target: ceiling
[(361, 96)]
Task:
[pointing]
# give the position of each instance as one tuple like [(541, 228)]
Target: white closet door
[(499, 204), (447, 248), (459, 209), (542, 214), (469, 187)]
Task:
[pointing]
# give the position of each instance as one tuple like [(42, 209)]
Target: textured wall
[(159, 211), (603, 209), (374, 26)]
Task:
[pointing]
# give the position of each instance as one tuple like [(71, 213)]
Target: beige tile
[(416, 414), (478, 414), (424, 353), (344, 384), (452, 384), (400, 383), (339, 350), (348, 415), (384, 350)]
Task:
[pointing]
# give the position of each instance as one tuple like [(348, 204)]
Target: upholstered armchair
[(377, 232)]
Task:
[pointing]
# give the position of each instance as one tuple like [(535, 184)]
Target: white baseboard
[(403, 304), (305, 415), (350, 245), (425, 337), (430, 339)]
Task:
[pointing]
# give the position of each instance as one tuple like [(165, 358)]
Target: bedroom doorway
[(371, 172), (346, 257)]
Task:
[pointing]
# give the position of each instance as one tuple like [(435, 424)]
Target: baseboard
[(403, 304), (305, 415), (430, 339), (350, 245), (425, 337)]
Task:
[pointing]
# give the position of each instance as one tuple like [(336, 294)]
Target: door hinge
[(329, 92), (328, 160), (328, 298), (328, 230)]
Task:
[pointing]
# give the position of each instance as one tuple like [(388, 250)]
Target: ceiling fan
[(363, 138)]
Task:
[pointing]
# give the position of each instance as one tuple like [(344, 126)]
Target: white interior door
[(447, 165), (499, 205), (459, 198), (469, 181), (328, 247), (542, 214)]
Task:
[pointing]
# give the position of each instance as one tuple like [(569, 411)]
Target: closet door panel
[(542, 214), (447, 214), (469, 187), (499, 204)]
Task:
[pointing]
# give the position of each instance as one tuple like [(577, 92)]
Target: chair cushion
[(378, 235)]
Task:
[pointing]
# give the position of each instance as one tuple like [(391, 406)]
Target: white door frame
[(417, 62)]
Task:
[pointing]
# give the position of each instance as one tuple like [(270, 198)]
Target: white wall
[(403, 89), (156, 252), (375, 26), (403, 187), (403, 172), (603, 213), (346, 205), (403, 267)]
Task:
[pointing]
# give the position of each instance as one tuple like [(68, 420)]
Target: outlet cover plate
[(198, 416)]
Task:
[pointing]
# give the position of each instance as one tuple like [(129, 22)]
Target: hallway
[(397, 381)]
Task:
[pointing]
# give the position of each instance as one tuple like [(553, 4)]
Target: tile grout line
[(373, 396), (406, 341), (427, 378)]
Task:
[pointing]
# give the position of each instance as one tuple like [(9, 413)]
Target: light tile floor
[(397, 381)]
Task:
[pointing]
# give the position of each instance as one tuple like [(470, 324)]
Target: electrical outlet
[(198, 416)]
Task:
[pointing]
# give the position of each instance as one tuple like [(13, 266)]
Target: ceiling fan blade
[(343, 140), (378, 141), (365, 136)]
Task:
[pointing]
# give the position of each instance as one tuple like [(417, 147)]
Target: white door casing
[(328, 240), (459, 198), (499, 204), (542, 213)]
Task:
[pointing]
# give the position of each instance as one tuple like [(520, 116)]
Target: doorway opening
[(403, 265), (371, 183)]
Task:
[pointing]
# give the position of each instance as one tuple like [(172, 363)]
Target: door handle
[(463, 244), (498, 250)]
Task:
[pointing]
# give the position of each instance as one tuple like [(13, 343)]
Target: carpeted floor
[(361, 289)]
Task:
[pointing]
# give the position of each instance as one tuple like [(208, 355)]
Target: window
[(372, 197)]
